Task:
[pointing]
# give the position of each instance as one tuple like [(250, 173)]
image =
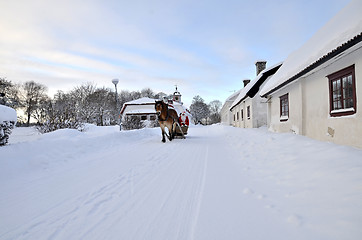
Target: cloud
[(206, 47)]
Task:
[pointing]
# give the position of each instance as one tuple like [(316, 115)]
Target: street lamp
[(115, 82)]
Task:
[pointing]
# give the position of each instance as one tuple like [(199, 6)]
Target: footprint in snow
[(261, 197), (295, 220), (270, 206), (248, 191)]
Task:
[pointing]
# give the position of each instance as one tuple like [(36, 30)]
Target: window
[(152, 117), (143, 117), (237, 116), (248, 112), (284, 107), (242, 114), (342, 92)]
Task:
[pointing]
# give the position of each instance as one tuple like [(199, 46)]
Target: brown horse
[(166, 118)]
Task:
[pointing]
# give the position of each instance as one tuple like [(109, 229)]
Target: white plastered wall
[(141, 108), (309, 105), (226, 114)]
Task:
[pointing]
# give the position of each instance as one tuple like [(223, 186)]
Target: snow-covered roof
[(346, 25), (232, 97), (140, 101), (141, 111), (262, 75), (229, 101), (144, 100), (7, 114)]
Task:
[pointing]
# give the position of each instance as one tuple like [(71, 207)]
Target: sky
[(205, 47)]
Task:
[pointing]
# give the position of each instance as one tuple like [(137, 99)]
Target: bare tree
[(215, 107), (41, 111), (32, 94), (103, 102), (124, 96), (80, 96), (135, 95), (160, 95), (147, 92)]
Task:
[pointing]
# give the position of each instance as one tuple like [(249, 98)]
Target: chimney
[(246, 81), (260, 66)]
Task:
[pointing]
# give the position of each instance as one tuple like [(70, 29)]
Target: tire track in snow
[(87, 204), (165, 188), (144, 187), (200, 195)]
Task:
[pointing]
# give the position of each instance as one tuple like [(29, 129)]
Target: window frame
[(248, 112), (334, 77), (242, 114), (284, 101)]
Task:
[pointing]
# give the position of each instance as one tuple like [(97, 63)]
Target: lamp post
[(115, 82)]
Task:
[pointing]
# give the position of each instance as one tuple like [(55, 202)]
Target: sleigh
[(179, 128)]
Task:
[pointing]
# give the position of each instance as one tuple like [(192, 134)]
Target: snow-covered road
[(219, 183)]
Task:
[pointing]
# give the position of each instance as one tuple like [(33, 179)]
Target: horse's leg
[(174, 129), (170, 137), (163, 133)]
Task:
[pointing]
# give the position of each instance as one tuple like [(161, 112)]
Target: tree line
[(86, 103)]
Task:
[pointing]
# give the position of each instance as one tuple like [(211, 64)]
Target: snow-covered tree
[(61, 113), (132, 122), (7, 123), (199, 109), (9, 94)]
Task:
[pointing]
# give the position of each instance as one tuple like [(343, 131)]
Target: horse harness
[(167, 116)]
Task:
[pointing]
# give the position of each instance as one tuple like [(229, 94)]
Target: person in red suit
[(183, 119)]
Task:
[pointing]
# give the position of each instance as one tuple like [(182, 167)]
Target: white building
[(226, 115), (318, 90), (249, 110), (144, 108)]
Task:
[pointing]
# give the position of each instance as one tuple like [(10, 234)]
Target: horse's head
[(159, 106)]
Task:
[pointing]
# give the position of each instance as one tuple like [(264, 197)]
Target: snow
[(344, 26), (232, 97), (284, 118), (141, 111), (244, 91), (343, 110), (7, 114), (143, 100), (218, 183)]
